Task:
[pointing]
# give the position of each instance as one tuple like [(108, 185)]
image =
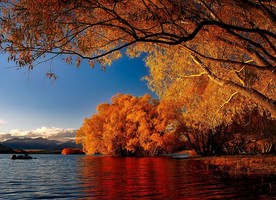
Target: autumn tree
[(231, 42), (215, 121), (254, 132), (205, 113), (131, 126)]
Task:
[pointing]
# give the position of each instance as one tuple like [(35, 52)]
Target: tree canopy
[(231, 42), (131, 126)]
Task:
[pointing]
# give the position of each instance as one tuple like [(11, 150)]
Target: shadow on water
[(163, 178)]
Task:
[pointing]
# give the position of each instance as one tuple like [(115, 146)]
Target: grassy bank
[(260, 165)]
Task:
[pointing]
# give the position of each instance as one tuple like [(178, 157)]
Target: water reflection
[(150, 178), (90, 177)]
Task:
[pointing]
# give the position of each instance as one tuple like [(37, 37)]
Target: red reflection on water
[(146, 178)]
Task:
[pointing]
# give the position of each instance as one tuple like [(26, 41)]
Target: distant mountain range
[(38, 143)]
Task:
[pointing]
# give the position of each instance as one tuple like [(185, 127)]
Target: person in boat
[(25, 156)]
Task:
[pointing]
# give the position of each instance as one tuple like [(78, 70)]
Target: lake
[(103, 177)]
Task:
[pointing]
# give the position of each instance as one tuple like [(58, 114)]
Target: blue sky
[(29, 101)]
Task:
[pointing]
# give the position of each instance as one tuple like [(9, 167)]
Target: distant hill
[(4, 149), (69, 144), (38, 143)]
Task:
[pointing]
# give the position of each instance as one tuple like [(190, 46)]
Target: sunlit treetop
[(136, 126)]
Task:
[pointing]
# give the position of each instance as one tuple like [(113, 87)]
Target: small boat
[(179, 156), (25, 156)]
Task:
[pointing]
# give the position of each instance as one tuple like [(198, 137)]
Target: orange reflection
[(147, 178)]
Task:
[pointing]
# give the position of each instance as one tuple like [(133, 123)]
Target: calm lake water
[(92, 177)]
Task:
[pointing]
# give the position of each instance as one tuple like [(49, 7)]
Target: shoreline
[(242, 165), (233, 165), (260, 165)]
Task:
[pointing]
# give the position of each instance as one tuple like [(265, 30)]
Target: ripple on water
[(88, 177)]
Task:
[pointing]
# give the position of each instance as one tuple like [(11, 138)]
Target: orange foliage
[(67, 151), (135, 126), (230, 42)]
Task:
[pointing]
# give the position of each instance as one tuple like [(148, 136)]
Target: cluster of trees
[(248, 132), (142, 126), (254, 131), (131, 126), (209, 57)]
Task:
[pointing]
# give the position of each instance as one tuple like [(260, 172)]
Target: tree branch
[(251, 93)]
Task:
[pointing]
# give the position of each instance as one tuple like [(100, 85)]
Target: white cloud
[(2, 122), (44, 132)]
